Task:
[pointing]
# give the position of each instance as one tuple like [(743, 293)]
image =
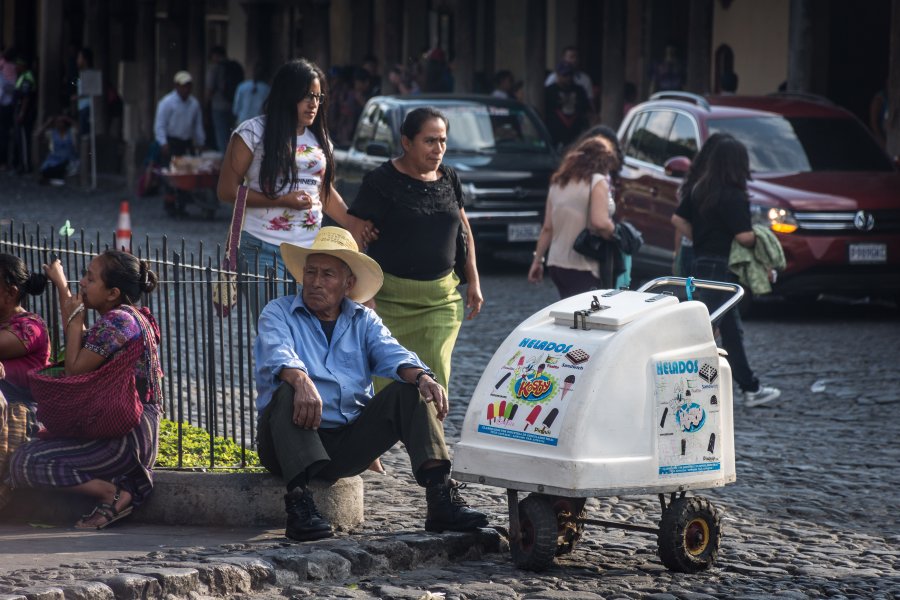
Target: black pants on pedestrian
[(7, 118), (715, 268), (396, 413)]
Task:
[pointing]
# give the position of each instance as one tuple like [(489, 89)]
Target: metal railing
[(207, 358)]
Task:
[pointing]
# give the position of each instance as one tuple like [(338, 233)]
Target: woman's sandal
[(108, 511)]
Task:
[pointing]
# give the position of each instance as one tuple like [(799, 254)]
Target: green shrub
[(195, 448)]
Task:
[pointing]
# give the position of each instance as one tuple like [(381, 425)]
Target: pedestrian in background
[(714, 213), (178, 125), (285, 158), (7, 103), (223, 76), (684, 246), (251, 95), (63, 151), (579, 197), (567, 107), (25, 114)]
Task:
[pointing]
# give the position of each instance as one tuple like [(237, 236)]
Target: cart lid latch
[(582, 315)]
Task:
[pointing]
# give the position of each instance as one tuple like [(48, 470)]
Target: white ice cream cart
[(607, 393)]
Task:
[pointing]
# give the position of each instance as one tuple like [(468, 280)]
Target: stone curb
[(232, 570), (212, 499)]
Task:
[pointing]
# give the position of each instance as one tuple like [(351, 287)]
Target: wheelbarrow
[(192, 180), (607, 393)]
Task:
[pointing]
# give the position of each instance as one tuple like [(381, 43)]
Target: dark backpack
[(234, 75)]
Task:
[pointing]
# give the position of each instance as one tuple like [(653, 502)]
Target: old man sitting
[(315, 356)]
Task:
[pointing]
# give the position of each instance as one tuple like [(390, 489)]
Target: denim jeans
[(715, 268), (261, 258)]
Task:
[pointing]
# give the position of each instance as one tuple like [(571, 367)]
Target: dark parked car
[(500, 149), (820, 182)]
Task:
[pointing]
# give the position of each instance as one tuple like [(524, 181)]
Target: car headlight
[(777, 219)]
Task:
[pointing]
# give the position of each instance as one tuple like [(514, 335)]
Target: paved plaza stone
[(813, 513)]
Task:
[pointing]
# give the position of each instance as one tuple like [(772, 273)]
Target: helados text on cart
[(676, 367), (544, 345)]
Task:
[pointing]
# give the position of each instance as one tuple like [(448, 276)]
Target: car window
[(682, 138), (649, 142), (779, 144), (365, 130), (491, 129), (384, 133)]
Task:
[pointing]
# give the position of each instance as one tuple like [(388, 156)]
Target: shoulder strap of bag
[(150, 351), (234, 232)]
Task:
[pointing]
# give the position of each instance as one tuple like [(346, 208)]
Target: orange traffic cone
[(123, 231)]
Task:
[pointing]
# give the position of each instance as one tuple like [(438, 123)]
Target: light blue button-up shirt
[(291, 337)]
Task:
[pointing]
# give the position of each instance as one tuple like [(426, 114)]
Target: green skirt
[(425, 317)]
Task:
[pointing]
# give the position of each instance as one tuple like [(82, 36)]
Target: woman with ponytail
[(24, 345), (116, 471)]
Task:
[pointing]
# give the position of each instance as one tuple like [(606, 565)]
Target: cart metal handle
[(718, 286)]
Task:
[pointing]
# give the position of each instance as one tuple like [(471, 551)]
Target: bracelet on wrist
[(78, 310), (420, 374), (537, 258)]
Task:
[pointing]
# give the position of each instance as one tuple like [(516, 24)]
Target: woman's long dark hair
[(133, 277), (698, 165), (728, 167), (292, 82), (13, 272)]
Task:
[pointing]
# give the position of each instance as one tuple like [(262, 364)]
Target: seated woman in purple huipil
[(117, 472)]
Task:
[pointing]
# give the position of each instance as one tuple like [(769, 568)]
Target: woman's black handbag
[(590, 245)]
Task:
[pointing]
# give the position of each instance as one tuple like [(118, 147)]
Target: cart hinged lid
[(607, 309)]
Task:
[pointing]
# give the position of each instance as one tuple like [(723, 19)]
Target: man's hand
[(307, 402), (432, 391)]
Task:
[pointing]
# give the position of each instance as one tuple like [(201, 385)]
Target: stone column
[(535, 52), (387, 44), (464, 46), (800, 47), (699, 46), (50, 52), (195, 46), (893, 91), (613, 85)]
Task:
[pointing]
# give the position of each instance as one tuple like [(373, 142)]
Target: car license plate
[(523, 232), (868, 253)]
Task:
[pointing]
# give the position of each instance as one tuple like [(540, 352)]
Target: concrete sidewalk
[(49, 547)]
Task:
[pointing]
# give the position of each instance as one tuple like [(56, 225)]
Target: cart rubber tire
[(540, 531), (689, 535)]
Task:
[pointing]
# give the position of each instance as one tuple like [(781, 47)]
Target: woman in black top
[(713, 214), (416, 204)]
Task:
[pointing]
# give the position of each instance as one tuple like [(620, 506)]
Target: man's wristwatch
[(421, 373)]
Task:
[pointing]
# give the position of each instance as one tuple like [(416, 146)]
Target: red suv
[(820, 181)]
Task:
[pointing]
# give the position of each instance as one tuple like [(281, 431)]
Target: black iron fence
[(207, 358)]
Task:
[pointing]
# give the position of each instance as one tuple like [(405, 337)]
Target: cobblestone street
[(813, 513)]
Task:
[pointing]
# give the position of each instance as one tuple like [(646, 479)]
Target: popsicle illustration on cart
[(568, 382), (548, 421)]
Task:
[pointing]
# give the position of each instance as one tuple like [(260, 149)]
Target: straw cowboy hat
[(337, 242)]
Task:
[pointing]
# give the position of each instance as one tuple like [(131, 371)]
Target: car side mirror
[(677, 166), (378, 149)]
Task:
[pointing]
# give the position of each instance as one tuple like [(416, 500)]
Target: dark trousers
[(730, 327), (7, 118), (396, 413), (572, 281)]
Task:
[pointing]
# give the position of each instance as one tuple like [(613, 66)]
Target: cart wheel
[(689, 535), (540, 533)]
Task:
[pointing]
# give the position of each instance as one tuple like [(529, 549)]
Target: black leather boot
[(448, 511), (304, 523)]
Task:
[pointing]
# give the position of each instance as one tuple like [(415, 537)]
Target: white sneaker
[(763, 395)]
